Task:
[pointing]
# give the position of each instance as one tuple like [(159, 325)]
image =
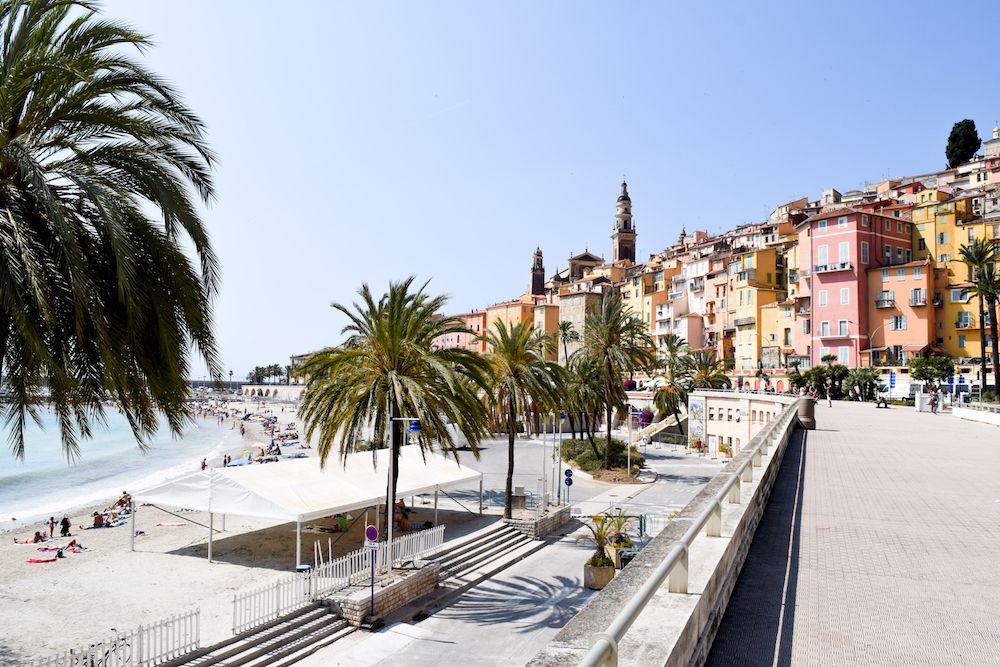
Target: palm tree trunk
[(572, 424), (509, 490), (982, 341), (586, 427), (992, 304), (395, 440), (608, 408), (677, 416)]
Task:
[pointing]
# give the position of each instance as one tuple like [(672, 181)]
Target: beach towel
[(173, 523), (40, 560)]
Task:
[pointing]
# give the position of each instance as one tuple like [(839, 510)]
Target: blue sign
[(568, 481), (568, 472), (961, 379), (892, 378), (371, 533)]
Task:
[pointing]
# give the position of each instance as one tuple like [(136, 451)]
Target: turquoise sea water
[(46, 484)]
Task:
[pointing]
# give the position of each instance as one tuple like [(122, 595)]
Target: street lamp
[(414, 427)]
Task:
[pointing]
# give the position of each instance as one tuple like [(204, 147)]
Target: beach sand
[(74, 601)]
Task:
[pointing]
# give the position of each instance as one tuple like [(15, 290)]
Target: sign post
[(371, 543), (568, 481), (892, 383)]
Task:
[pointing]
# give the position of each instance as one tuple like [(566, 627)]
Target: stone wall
[(354, 603), (536, 530)]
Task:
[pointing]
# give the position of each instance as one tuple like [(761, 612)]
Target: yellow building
[(510, 313), (547, 321), (940, 229), (777, 332), (756, 279)]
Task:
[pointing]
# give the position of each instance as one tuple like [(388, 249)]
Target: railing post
[(748, 474), (714, 525), (612, 658), (735, 492), (756, 459), (677, 580)]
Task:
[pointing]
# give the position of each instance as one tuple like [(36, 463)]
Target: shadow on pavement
[(759, 622)]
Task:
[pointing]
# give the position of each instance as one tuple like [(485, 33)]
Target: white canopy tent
[(299, 490)]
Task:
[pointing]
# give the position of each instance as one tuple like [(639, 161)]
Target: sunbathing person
[(98, 520)]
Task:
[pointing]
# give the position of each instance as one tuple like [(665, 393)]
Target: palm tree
[(520, 379), (100, 166), (704, 371), (977, 256), (567, 334), (986, 289), (671, 393), (388, 368), (584, 395), (618, 341)]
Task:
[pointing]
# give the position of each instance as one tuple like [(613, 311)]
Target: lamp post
[(414, 427)]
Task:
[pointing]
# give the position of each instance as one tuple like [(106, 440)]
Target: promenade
[(880, 546)]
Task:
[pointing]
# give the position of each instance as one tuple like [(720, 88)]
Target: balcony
[(938, 301), (675, 294), (697, 285), (830, 268), (749, 274), (743, 321), (918, 301), (966, 324), (833, 334), (793, 278), (887, 302)]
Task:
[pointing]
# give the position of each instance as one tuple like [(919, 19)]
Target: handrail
[(604, 650)]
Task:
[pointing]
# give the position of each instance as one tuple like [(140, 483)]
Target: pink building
[(472, 340), (836, 249)]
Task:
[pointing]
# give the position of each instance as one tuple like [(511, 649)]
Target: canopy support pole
[(223, 524), (298, 543), (211, 519), (435, 506), (480, 494), (132, 536)]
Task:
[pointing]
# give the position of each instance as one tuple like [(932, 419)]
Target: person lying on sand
[(98, 520), (38, 537)]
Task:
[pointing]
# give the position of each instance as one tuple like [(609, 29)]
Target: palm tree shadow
[(528, 603)]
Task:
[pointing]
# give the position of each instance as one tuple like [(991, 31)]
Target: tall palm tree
[(705, 372), (521, 379), (976, 256), (567, 334), (101, 164), (388, 368), (584, 395), (986, 289), (619, 342)]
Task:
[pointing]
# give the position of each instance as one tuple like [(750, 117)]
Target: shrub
[(600, 560), (582, 454), (989, 397)]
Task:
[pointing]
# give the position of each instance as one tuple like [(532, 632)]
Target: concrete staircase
[(282, 642), (478, 556)]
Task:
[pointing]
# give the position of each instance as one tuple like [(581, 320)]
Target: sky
[(365, 142)]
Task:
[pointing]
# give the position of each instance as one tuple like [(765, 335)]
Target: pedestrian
[(829, 394), (933, 401), (52, 527), (204, 464), (64, 527)]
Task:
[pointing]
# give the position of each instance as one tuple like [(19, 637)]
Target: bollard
[(807, 413)]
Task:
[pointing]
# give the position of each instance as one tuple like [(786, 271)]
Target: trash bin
[(626, 555), (303, 568)]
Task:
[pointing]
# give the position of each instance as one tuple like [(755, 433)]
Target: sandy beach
[(53, 606)]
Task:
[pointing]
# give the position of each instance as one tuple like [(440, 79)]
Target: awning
[(916, 346), (874, 349), (299, 490)]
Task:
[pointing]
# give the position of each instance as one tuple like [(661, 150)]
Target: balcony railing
[(793, 278), (938, 301), (918, 300), (749, 274), (966, 324), (833, 334), (674, 294), (888, 302), (697, 285), (740, 321), (830, 268)]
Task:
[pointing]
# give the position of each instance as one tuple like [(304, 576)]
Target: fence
[(145, 646), (267, 603)]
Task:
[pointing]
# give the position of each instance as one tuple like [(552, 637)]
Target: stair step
[(450, 549), (481, 546), (316, 645), (495, 551), (485, 570), (284, 649)]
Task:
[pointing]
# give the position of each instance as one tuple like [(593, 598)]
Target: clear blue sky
[(363, 142)]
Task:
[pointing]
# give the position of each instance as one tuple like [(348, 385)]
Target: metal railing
[(144, 646), (674, 568), (264, 604)]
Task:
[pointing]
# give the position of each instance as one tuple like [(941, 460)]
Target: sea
[(46, 484)]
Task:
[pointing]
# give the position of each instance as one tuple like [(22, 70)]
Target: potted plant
[(618, 538), (599, 570), (725, 450)]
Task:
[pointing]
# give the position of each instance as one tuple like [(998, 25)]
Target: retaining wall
[(354, 603), (536, 530)]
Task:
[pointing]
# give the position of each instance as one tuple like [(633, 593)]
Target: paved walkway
[(880, 546)]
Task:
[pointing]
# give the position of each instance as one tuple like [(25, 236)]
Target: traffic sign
[(371, 534), (892, 379), (568, 481), (568, 472)]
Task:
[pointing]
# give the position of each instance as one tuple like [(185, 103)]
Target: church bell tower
[(623, 237), (537, 273)]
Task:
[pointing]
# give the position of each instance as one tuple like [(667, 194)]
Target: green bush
[(582, 453), (989, 397), (600, 560)]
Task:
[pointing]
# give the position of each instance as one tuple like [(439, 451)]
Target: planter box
[(596, 578)]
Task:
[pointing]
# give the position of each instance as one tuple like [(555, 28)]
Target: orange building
[(901, 312)]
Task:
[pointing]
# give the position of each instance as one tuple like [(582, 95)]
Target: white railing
[(144, 646), (267, 603), (674, 568)]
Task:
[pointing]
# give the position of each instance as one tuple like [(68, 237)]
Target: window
[(824, 254), (864, 252), (907, 226), (824, 328), (897, 322), (958, 297), (845, 296), (822, 297), (887, 253), (945, 258), (842, 328), (899, 227), (888, 226), (711, 414), (822, 224), (844, 354), (842, 221), (885, 275), (900, 274), (921, 244), (823, 351), (918, 296), (729, 414), (899, 254), (768, 277), (908, 255), (843, 252), (806, 326), (942, 237), (961, 340), (787, 339), (918, 272), (864, 221), (964, 320)]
